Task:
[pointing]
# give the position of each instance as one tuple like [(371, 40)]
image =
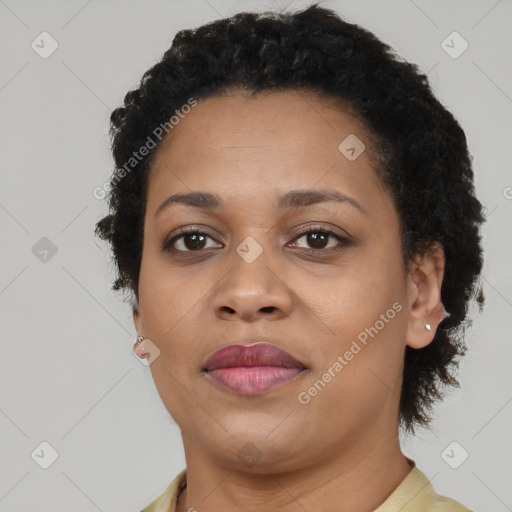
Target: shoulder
[(166, 502), (416, 494)]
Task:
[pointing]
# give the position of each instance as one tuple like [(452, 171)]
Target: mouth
[(251, 368)]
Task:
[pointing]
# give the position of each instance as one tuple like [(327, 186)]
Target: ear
[(425, 279), (137, 320)]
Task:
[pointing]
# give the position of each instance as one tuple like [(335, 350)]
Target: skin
[(340, 451)]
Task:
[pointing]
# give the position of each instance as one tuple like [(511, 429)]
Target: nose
[(252, 291)]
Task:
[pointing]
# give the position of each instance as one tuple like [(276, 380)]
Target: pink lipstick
[(251, 368)]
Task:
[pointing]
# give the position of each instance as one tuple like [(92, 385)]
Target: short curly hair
[(425, 162)]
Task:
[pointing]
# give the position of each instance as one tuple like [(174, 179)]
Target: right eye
[(187, 241)]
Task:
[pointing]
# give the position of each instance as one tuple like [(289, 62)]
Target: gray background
[(68, 375)]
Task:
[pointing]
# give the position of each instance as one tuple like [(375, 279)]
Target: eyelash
[(344, 241)]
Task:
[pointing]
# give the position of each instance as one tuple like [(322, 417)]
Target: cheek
[(167, 296), (356, 297), (362, 311), (358, 375)]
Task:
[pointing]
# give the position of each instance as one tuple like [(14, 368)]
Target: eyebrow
[(292, 199)]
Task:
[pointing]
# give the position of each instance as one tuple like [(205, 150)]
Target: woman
[(293, 213)]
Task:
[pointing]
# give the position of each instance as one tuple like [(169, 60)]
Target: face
[(318, 274)]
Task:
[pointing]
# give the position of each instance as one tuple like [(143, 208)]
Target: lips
[(251, 355), (252, 368)]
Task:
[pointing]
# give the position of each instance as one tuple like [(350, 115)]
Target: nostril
[(268, 309)]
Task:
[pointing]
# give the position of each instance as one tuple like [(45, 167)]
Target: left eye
[(318, 239)]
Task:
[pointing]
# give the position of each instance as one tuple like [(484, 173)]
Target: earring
[(427, 326), (137, 350)]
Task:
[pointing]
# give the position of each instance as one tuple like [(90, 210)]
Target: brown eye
[(318, 240), (192, 241)]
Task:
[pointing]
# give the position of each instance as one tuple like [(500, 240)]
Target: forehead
[(266, 143), (234, 119)]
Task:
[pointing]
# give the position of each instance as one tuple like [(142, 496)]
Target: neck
[(355, 478)]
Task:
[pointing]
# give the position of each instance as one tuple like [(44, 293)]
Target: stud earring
[(427, 326)]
